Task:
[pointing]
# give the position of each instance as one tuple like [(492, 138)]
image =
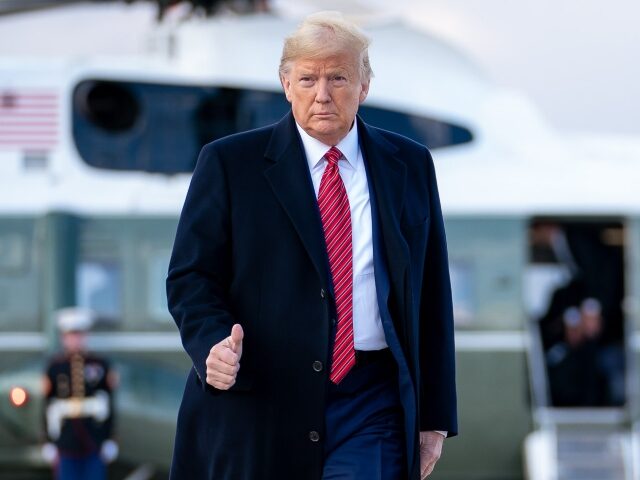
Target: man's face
[(73, 342), (325, 94)]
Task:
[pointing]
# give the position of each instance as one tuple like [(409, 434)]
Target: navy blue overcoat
[(249, 249)]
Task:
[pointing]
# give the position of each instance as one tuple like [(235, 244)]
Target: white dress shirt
[(368, 333)]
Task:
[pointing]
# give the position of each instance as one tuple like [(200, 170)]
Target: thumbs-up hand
[(223, 361)]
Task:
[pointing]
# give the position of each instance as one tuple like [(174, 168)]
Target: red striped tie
[(336, 222)]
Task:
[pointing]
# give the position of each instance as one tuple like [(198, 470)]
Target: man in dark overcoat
[(309, 280)]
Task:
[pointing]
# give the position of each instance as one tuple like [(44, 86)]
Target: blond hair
[(322, 34)]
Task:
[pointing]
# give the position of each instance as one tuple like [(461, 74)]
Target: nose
[(322, 92)]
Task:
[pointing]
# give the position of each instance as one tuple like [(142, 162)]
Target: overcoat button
[(317, 366), (333, 322), (322, 293), (314, 436)]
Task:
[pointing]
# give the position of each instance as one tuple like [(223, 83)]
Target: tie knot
[(333, 155)]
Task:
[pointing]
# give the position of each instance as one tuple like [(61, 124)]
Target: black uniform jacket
[(250, 249), (80, 376)]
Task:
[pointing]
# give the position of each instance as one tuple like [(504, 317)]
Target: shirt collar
[(315, 149)]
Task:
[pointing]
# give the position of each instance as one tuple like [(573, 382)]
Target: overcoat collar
[(290, 180)]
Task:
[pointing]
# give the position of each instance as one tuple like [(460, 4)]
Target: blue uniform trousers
[(364, 429), (89, 467)]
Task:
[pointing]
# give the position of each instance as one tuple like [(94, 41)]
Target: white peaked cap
[(73, 319)]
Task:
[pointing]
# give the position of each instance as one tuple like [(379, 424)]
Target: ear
[(364, 90), (286, 86)]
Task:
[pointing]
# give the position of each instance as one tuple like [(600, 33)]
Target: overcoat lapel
[(290, 180), (388, 182)]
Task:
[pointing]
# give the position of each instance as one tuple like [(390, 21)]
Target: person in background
[(609, 356), (78, 389), (573, 378), (582, 371)]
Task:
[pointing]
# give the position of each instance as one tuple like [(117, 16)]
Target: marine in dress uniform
[(79, 403)]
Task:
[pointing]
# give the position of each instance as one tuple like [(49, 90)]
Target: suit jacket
[(250, 249)]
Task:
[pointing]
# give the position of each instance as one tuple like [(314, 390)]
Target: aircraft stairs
[(582, 444), (577, 443)]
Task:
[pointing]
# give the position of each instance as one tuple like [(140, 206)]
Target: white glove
[(49, 453), (109, 451)]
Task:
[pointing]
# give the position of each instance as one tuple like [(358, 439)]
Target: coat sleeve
[(438, 409), (199, 268)]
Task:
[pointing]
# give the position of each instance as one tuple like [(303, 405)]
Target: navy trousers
[(89, 467), (364, 434)]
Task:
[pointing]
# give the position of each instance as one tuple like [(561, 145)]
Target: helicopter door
[(574, 295), (575, 286)]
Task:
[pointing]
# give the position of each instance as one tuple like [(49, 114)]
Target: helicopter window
[(19, 277), (161, 128), (462, 291), (428, 131), (13, 252), (157, 268), (166, 132), (98, 286), (487, 257)]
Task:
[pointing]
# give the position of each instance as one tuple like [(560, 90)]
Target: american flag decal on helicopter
[(28, 119)]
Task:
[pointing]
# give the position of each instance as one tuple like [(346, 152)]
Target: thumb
[(237, 334)]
